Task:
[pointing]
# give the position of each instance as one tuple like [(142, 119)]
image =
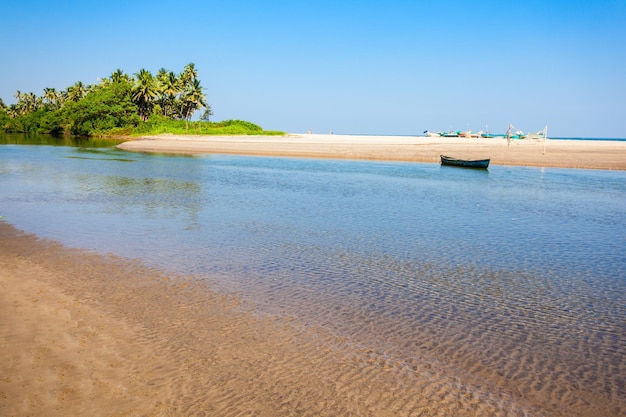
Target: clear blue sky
[(373, 67)]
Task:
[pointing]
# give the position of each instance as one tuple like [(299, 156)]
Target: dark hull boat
[(465, 163)]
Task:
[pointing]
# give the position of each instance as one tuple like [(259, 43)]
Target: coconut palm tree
[(18, 95), (27, 103), (169, 88), (34, 103), (189, 74), (119, 76), (76, 91), (51, 97), (62, 97), (21, 107), (193, 99), (144, 91)]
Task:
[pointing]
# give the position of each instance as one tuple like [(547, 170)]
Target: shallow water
[(514, 277)]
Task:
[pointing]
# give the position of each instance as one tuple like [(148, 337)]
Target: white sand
[(550, 153)]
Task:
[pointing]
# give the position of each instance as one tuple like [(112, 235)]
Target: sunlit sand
[(90, 335), (527, 152)]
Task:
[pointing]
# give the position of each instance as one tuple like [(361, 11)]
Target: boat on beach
[(542, 134), (518, 134), (450, 134), (511, 133), (465, 163), (470, 134)]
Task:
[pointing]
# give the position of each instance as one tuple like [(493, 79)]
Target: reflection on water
[(514, 277), (34, 139)]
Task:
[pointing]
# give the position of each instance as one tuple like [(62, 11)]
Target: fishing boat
[(542, 134), (465, 163), (432, 134), (470, 134), (518, 134)]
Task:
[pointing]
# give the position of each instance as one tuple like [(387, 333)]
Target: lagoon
[(516, 276)]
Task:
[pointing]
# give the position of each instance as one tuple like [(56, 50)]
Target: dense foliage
[(157, 124), (121, 105)]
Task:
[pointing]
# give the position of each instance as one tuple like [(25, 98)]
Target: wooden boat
[(542, 134), (469, 134), (432, 134), (465, 163)]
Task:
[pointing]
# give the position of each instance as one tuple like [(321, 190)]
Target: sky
[(393, 67)]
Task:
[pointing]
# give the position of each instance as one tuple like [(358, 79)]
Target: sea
[(515, 274)]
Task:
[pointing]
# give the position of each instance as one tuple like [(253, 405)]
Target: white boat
[(470, 134), (432, 134), (542, 134)]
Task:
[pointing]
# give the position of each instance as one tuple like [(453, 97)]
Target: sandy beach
[(87, 334), (609, 155)]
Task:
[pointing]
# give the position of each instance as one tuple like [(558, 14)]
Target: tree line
[(114, 105)]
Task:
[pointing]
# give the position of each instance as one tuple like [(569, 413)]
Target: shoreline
[(90, 334), (561, 153)]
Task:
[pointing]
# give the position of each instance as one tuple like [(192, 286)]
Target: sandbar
[(583, 154)]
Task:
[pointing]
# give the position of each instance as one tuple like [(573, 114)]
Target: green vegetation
[(158, 124), (121, 105)]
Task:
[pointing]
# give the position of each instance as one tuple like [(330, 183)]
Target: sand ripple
[(84, 334)]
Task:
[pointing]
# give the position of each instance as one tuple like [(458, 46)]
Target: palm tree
[(161, 74), (17, 106), (51, 97), (193, 99), (144, 92), (62, 97), (77, 91), (169, 88), (21, 107), (34, 103), (27, 103), (119, 76), (189, 74)]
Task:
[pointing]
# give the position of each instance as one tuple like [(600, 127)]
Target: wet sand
[(87, 334), (528, 152)]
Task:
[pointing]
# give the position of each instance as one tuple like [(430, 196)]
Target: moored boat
[(465, 163), (542, 134), (470, 134), (432, 134)]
